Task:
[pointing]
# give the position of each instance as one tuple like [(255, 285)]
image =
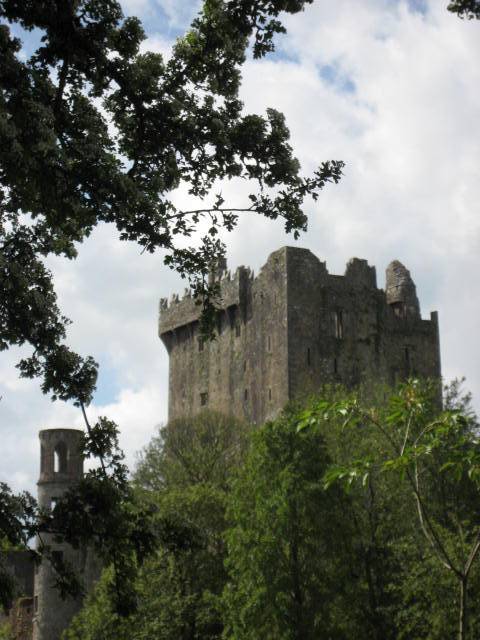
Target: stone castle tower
[(61, 467), (291, 329)]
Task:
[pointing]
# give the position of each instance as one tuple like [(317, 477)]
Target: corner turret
[(401, 291)]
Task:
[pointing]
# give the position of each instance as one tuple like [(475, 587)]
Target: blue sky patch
[(331, 74), (108, 384)]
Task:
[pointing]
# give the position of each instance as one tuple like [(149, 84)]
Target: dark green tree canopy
[(92, 130), (465, 8)]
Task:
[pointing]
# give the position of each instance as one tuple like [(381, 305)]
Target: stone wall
[(243, 371), (61, 467), (293, 328), (21, 619)]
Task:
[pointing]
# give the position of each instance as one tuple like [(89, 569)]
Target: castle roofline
[(60, 430)]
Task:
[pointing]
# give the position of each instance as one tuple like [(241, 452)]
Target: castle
[(41, 613), (290, 330), (280, 335)]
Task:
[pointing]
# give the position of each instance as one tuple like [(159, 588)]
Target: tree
[(175, 122), (288, 542), (437, 454), (316, 524), (184, 473), (201, 449), (62, 172), (465, 8)]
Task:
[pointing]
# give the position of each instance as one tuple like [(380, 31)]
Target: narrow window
[(200, 344), (309, 357), (269, 343), (338, 317), (238, 329), (42, 458), (203, 398), (269, 394), (53, 502), (335, 366), (399, 309), (35, 604), (60, 458), (244, 365), (245, 395)]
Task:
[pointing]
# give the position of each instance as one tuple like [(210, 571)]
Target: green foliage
[(176, 122), (5, 631), (184, 476), (437, 455), (93, 131), (469, 9), (288, 544), (428, 596), (192, 450), (18, 523), (309, 532)]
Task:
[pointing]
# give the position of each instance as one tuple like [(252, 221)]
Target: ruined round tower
[(61, 467)]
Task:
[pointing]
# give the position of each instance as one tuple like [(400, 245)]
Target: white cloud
[(410, 191), (180, 12)]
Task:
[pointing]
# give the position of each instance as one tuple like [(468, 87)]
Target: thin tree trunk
[(462, 628)]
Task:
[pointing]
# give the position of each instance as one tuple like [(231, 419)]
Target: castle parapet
[(187, 310), (360, 273)]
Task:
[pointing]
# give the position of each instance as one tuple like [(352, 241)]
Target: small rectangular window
[(269, 394), (269, 343), (200, 344), (35, 604), (335, 366), (338, 317), (203, 398), (245, 394), (244, 365), (238, 329)]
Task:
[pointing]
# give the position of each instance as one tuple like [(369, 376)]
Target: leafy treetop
[(93, 130)]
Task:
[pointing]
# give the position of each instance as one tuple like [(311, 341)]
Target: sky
[(390, 87)]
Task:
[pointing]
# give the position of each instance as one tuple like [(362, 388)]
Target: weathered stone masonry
[(293, 328), (61, 467)]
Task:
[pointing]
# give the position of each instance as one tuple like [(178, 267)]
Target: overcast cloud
[(391, 88)]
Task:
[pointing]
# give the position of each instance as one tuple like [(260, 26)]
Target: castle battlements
[(293, 328), (181, 311)]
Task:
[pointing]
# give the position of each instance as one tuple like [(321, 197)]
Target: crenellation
[(293, 328), (359, 272)]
